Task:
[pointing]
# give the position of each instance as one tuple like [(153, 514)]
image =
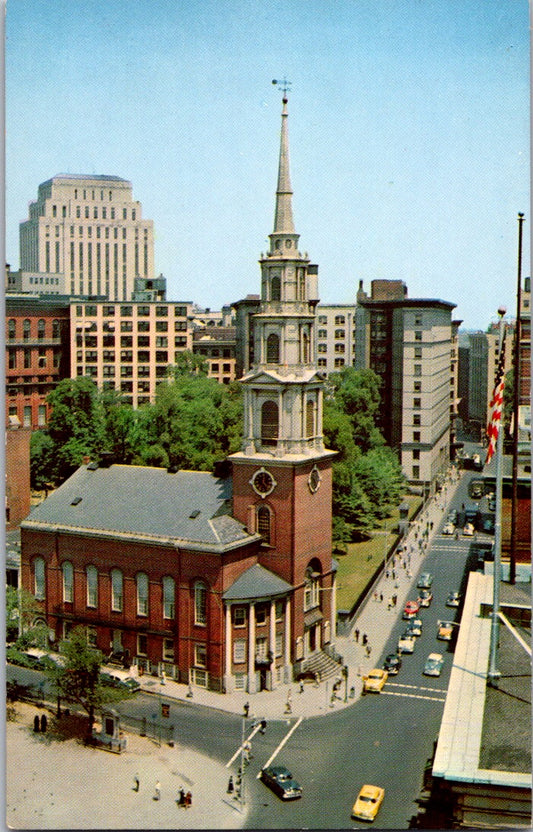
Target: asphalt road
[(384, 739)]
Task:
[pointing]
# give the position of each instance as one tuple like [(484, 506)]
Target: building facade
[(408, 344), (336, 337), (222, 580), (89, 230), (37, 355), (128, 346)]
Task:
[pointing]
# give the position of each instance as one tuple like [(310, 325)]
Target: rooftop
[(188, 508)]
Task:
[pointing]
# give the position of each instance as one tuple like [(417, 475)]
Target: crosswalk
[(412, 691)]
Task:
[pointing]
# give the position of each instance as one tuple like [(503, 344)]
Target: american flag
[(496, 404)]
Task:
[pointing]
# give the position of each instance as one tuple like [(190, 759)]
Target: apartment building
[(90, 230), (408, 343), (128, 346), (37, 354), (335, 337), (216, 344)]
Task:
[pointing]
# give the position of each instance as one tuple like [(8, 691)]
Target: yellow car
[(368, 802), (373, 683), (445, 631)]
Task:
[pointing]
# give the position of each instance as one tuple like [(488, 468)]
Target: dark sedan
[(280, 780), (392, 664)]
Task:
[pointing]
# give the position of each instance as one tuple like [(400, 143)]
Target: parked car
[(448, 528), (425, 597), (410, 609), (445, 631), (368, 803), (414, 627), (468, 530), (425, 580), (452, 516), (406, 643), (127, 683), (375, 681), (392, 664), (433, 666), (491, 501), (487, 525), (281, 781), (453, 599)]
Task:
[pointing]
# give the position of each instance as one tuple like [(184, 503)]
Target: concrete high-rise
[(89, 229)]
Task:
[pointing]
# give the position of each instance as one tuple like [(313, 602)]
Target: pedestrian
[(136, 783), (375, 596), (365, 639), (380, 597), (246, 709), (188, 800), (356, 634), (157, 795), (393, 575), (389, 603), (231, 787), (368, 651), (247, 747), (181, 794), (44, 723), (387, 573), (301, 686)]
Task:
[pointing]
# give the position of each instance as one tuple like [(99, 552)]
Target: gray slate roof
[(256, 582), (146, 502)]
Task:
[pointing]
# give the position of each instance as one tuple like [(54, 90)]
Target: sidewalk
[(58, 783), (373, 618)]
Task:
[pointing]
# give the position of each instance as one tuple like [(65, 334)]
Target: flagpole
[(493, 673), (516, 405)]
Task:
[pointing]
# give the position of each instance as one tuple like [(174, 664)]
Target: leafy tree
[(120, 427), (22, 613), (379, 475), (188, 363), (77, 680), (356, 394), (42, 450)]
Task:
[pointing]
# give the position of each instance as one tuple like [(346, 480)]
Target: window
[(417, 387), (239, 616), (41, 415), (200, 604), (272, 349), (418, 335), (200, 655), (416, 419), (339, 319), (418, 352), (68, 582), (142, 593), (260, 615), (40, 329), (116, 590), (310, 418), (417, 370), (416, 454), (92, 637), (269, 423), (239, 651), (417, 403), (169, 609), (322, 348), (161, 326), (416, 472), (142, 644), (416, 436), (311, 589), (279, 610), (56, 329), (322, 333), (340, 333), (279, 645), (92, 586), (322, 319), (12, 359), (27, 416), (39, 579), (168, 649), (161, 311), (275, 291), (261, 649), (11, 329), (26, 328)]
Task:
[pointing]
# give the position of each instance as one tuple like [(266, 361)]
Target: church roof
[(187, 508), (257, 582)]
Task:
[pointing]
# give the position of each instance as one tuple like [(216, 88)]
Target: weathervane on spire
[(285, 87)]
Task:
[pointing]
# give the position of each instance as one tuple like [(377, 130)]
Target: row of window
[(29, 356), (103, 212), (143, 311), (117, 590), (29, 331), (339, 319)]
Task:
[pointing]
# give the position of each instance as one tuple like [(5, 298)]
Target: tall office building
[(89, 229)]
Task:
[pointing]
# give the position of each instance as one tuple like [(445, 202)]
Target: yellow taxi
[(445, 631), (374, 682), (368, 803)]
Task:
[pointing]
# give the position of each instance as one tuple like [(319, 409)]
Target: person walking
[(380, 597), (157, 795), (365, 639), (301, 687), (136, 783), (181, 793), (188, 800), (356, 634)]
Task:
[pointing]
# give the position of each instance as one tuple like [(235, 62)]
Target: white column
[(251, 650), (227, 646), (287, 639), (273, 682)]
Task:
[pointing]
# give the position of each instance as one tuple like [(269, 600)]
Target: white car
[(449, 528), (468, 530), (406, 644), (433, 664)]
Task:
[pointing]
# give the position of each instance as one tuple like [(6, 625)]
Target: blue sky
[(409, 134)]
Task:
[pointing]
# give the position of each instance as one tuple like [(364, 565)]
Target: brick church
[(223, 580)]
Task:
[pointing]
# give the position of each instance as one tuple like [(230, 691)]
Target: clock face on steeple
[(263, 483)]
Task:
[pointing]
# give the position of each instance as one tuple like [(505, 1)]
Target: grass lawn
[(362, 560)]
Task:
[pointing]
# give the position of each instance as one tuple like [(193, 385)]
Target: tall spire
[(283, 222)]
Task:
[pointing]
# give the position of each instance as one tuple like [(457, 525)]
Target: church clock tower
[(282, 475)]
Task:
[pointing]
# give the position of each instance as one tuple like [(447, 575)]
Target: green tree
[(356, 393), (76, 425), (77, 679), (42, 462), (120, 427), (23, 619)]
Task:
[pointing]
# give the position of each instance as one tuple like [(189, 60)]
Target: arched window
[(272, 349), (309, 418), (263, 523), (200, 603), (26, 328), (269, 423), (56, 330), (275, 288), (142, 593), (40, 329), (312, 586), (11, 329), (92, 586), (39, 586), (305, 348), (169, 606), (116, 590), (68, 582)]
